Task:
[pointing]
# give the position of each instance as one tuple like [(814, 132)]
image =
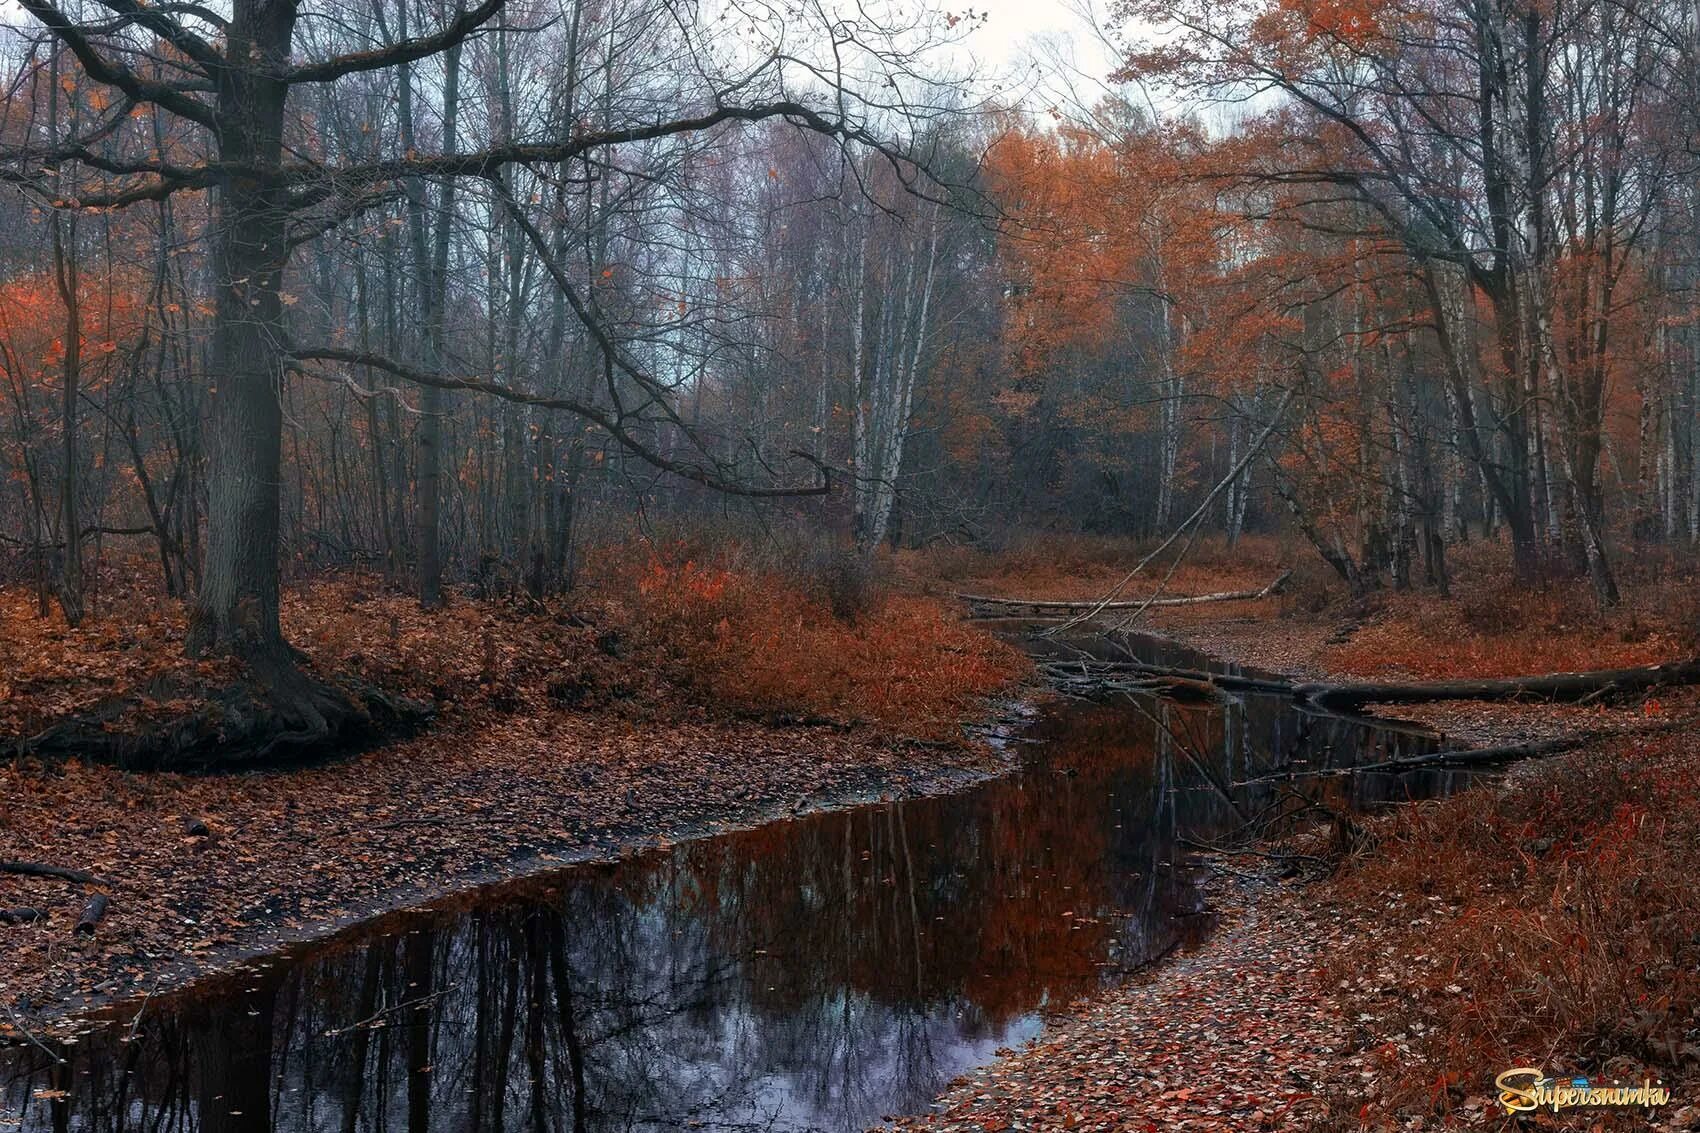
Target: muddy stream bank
[(816, 973)]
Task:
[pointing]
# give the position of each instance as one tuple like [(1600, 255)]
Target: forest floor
[(1544, 918), (664, 700), (1489, 627)]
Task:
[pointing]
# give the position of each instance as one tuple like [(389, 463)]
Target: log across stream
[(817, 973)]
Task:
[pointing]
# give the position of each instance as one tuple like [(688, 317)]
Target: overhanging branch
[(711, 478)]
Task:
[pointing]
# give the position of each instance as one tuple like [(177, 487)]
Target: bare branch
[(612, 424)]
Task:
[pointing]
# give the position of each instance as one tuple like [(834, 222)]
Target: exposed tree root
[(277, 713), (1059, 608)]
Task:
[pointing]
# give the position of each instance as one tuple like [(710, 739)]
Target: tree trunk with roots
[(229, 84), (283, 708)]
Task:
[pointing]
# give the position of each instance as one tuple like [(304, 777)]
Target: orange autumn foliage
[(643, 638), (32, 322), (761, 643), (1553, 915)]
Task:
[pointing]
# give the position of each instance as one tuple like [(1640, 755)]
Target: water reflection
[(811, 974)]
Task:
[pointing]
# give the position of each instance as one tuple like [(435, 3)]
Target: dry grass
[(1494, 626), (643, 637), (772, 644), (1550, 923)]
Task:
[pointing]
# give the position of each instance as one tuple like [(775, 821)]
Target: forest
[(446, 446)]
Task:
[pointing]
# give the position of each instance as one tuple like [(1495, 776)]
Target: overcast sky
[(1049, 49), (1046, 49), (1015, 26)]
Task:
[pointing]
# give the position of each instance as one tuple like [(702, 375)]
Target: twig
[(25, 1031), (35, 869), (137, 1021)]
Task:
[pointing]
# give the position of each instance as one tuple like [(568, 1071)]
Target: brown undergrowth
[(650, 634), (1550, 922), (1490, 626)]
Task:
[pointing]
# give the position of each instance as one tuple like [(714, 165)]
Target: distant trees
[(438, 287), (326, 137), (1524, 158)]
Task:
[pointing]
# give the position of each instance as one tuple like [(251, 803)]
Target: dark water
[(818, 973)]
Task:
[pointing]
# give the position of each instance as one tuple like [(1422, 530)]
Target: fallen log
[(92, 912), (1552, 688), (34, 869), (1064, 606), (19, 916)]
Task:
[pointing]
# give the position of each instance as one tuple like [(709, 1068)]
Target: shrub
[(771, 645), (845, 579)]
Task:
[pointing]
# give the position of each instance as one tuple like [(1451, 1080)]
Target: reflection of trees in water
[(813, 973)]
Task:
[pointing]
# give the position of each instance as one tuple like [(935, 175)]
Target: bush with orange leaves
[(1554, 922), (645, 637), (769, 644)]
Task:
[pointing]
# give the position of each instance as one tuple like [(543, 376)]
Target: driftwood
[(1063, 607), (1553, 687), (92, 912), (34, 869)]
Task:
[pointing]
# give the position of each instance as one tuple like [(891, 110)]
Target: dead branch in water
[(1084, 668), (1456, 759), (1074, 680)]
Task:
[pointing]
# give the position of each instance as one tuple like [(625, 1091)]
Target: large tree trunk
[(237, 610), (279, 709)]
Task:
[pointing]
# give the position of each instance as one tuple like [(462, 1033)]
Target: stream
[(817, 973)]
